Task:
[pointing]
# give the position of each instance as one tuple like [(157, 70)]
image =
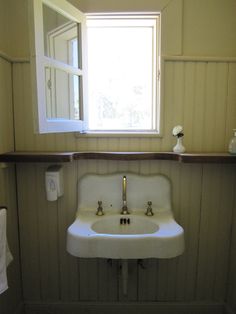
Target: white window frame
[(39, 62), (132, 20)]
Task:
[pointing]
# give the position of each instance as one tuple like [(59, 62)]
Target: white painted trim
[(39, 61), (117, 134), (198, 58), (11, 59)]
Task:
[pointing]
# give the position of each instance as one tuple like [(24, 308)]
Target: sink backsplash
[(108, 189)]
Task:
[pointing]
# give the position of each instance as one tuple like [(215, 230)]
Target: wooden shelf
[(59, 157), (207, 158), (37, 157), (126, 155)]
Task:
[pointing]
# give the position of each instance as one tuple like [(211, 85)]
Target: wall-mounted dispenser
[(54, 182)]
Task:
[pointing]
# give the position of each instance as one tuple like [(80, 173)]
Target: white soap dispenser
[(232, 144), (54, 182)]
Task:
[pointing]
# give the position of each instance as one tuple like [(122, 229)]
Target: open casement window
[(58, 54), (95, 74)]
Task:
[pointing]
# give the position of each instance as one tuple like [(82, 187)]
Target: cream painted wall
[(209, 27), (14, 29)]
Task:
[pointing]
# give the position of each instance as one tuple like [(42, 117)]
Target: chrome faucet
[(124, 210)]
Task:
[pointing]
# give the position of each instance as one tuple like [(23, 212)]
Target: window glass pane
[(120, 77), (59, 37), (62, 94)]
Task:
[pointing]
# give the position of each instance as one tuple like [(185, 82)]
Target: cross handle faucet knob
[(149, 211), (100, 209)]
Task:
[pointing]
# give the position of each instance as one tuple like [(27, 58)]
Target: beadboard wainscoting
[(203, 203), (200, 95)]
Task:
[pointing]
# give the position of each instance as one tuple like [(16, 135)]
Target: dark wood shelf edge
[(60, 157), (127, 155), (36, 157), (207, 158)]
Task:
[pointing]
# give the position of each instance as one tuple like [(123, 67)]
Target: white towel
[(5, 254)]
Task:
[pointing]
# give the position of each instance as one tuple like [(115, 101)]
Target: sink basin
[(134, 225), (131, 236), (158, 236)]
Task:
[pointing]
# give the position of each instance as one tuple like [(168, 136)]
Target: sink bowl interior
[(127, 225)]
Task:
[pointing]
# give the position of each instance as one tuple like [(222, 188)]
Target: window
[(58, 65), (95, 74), (123, 90)]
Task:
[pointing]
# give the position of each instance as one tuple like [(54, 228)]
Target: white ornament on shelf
[(178, 132), (179, 147)]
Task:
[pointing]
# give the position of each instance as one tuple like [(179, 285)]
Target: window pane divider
[(52, 63)]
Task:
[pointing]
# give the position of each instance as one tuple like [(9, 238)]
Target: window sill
[(59, 157), (117, 134)]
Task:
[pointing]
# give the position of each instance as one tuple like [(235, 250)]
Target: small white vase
[(179, 147)]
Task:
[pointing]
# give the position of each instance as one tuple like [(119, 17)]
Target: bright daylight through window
[(95, 73), (123, 71)]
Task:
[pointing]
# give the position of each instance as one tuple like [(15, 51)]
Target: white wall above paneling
[(209, 27)]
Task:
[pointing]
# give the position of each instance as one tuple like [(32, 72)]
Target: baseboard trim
[(121, 308)]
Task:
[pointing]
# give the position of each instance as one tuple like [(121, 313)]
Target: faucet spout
[(124, 210)]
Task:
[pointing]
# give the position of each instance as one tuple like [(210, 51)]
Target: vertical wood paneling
[(215, 107), (29, 233), (220, 111), (180, 282), (108, 274), (231, 284), (216, 213), (189, 102), (168, 104), (199, 199), (147, 280), (47, 216), (6, 116), (67, 206), (10, 300), (209, 113), (199, 108), (189, 217), (231, 104), (88, 279), (178, 93)]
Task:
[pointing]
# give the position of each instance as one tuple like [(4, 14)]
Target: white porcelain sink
[(133, 236), (158, 236)]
